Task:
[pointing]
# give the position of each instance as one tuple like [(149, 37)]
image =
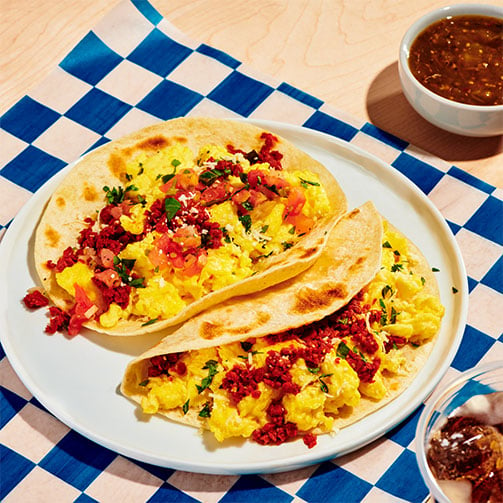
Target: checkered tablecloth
[(134, 69)]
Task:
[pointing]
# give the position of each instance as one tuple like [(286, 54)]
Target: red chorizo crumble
[(35, 299), (313, 343), (266, 154), (58, 321)]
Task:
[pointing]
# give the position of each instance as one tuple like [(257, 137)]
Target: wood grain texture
[(342, 51)]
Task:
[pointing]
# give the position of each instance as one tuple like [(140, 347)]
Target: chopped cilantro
[(286, 245), (264, 229), (185, 407), (171, 206), (150, 322), (247, 206), (115, 195), (291, 230), (386, 244), (210, 176), (175, 163), (167, 178), (454, 289), (246, 221), (206, 410), (306, 183), (313, 370), (423, 281), (434, 269), (387, 289), (211, 365), (384, 313), (396, 267), (393, 316), (143, 383), (323, 385), (396, 253), (342, 350)]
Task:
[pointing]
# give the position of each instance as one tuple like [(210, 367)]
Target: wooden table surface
[(342, 51)]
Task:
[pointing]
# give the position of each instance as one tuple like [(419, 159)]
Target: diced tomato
[(302, 223), (109, 277), (241, 196), (107, 257), (82, 301), (257, 198), (75, 323), (82, 311), (157, 255), (187, 237), (168, 185), (193, 264), (216, 193), (255, 178), (294, 204), (186, 179)]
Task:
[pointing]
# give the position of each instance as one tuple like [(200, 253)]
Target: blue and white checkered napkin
[(135, 69)]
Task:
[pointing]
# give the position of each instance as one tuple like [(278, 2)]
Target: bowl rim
[(426, 20), (433, 399)]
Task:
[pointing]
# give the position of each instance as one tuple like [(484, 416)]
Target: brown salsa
[(461, 59)]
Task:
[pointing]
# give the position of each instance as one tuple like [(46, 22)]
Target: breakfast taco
[(307, 356), (149, 230)]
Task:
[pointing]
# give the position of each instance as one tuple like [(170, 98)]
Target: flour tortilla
[(350, 260), (81, 194)]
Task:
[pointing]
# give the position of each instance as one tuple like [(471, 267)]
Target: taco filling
[(182, 225), (305, 380)]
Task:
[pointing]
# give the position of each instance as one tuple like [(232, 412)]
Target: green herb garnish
[(116, 195), (171, 206), (342, 350), (246, 221), (185, 407), (306, 183), (143, 383), (206, 410), (386, 244), (150, 322), (211, 365)]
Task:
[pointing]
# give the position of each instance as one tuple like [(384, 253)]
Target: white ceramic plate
[(77, 379)]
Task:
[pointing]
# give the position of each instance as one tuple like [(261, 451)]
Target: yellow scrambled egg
[(167, 289), (404, 313)]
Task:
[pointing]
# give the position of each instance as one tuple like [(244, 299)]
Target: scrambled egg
[(166, 289), (407, 311)]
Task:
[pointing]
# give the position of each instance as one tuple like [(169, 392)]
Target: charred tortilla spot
[(52, 237), (262, 319), (89, 193), (117, 164), (353, 213), (309, 252), (210, 330), (154, 143), (308, 300), (357, 264), (60, 202)]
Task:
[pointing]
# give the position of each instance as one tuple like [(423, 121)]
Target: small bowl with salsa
[(459, 438), (451, 68)]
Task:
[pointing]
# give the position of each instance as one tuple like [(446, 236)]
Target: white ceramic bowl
[(480, 380), (460, 118)]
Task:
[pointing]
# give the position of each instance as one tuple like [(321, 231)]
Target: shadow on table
[(389, 110)]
